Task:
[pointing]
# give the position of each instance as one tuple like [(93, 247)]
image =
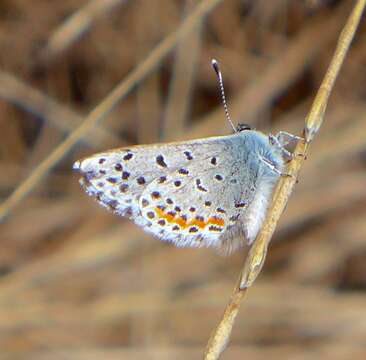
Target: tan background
[(79, 283)]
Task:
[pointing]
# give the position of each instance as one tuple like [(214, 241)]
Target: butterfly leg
[(282, 140), (273, 167), (276, 142), (286, 138)]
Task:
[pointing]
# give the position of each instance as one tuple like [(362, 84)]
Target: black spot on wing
[(123, 188), (128, 157), (183, 171), (160, 161), (118, 167), (155, 195), (112, 180), (240, 204), (125, 175), (144, 202), (188, 155), (199, 186)]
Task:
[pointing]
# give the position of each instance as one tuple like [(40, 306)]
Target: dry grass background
[(77, 282)]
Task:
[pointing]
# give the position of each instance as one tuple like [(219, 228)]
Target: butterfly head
[(243, 127)]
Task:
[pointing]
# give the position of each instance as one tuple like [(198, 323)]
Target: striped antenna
[(216, 67)]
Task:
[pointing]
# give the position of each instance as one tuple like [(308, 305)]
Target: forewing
[(116, 178), (191, 193)]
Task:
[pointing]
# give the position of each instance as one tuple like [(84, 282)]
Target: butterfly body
[(204, 192)]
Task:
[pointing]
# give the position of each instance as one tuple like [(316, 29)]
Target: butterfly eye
[(243, 127)]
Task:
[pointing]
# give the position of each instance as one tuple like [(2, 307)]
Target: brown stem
[(256, 257)]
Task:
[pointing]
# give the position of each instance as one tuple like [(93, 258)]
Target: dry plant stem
[(316, 114), (75, 26), (148, 99), (180, 94), (221, 335), (257, 254), (59, 116), (107, 105)]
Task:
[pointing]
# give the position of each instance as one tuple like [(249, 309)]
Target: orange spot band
[(182, 222), (216, 221)]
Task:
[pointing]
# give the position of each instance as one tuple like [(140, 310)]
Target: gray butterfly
[(206, 192)]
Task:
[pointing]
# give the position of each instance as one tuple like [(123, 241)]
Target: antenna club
[(215, 65)]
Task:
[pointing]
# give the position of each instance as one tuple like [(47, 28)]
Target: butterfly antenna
[(216, 67)]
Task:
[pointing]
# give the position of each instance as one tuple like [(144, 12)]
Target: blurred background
[(77, 282)]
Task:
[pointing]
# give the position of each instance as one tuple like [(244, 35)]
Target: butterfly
[(211, 192)]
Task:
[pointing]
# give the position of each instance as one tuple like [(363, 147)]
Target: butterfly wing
[(116, 178), (194, 193)]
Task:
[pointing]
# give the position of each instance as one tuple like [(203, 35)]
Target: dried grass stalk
[(59, 116), (255, 260), (75, 26)]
